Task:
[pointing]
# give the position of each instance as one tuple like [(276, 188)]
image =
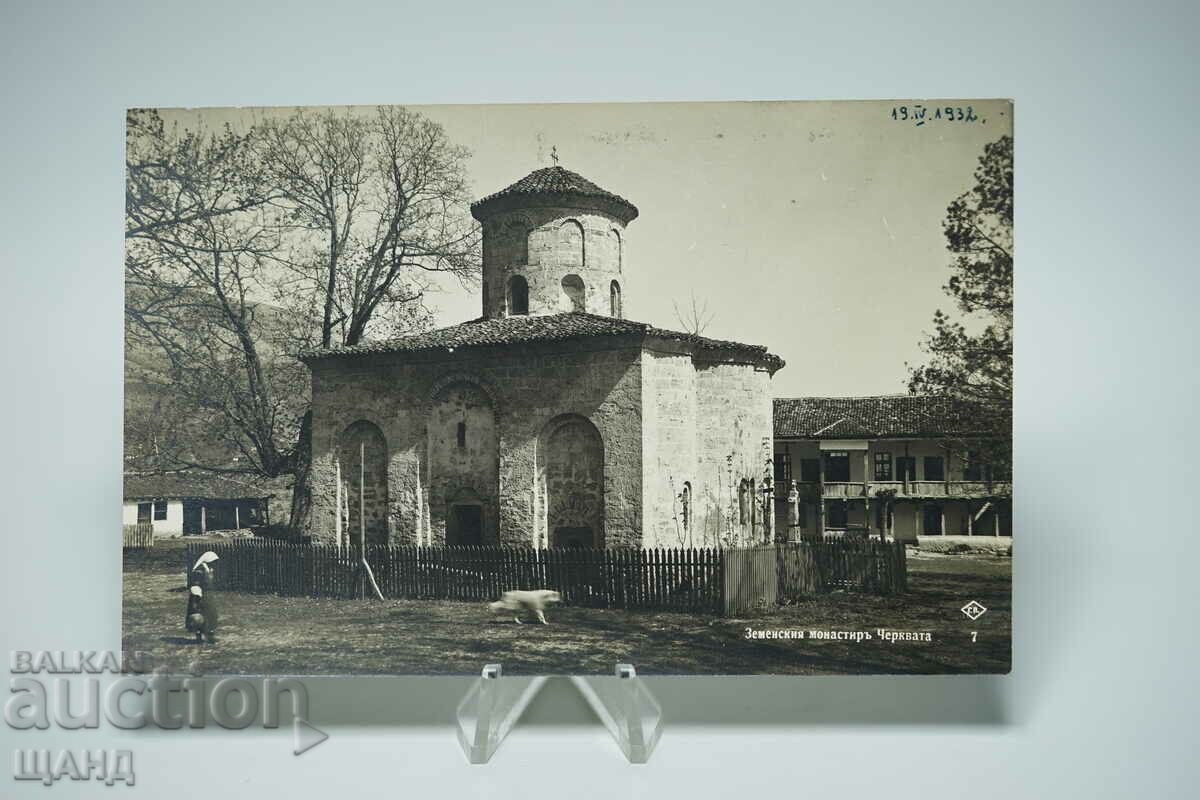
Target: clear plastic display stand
[(621, 701)]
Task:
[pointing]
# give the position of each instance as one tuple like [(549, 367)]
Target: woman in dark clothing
[(202, 616)]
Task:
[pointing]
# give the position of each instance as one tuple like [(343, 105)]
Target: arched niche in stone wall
[(362, 459), (569, 247), (462, 452), (570, 474), (516, 242)]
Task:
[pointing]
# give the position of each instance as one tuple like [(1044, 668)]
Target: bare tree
[(242, 248), (374, 208), (695, 318)]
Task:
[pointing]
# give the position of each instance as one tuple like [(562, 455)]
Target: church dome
[(556, 187)]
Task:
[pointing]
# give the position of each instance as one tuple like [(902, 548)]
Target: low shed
[(191, 502)]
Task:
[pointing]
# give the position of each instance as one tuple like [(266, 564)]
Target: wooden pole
[(237, 517), (362, 515), (362, 498), (203, 519), (337, 506)]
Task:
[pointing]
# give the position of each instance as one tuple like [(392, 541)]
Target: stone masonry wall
[(707, 427), (544, 245), (528, 385)]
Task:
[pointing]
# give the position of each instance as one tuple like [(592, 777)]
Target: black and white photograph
[(710, 388)]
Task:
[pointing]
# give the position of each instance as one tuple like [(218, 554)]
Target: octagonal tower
[(553, 242)]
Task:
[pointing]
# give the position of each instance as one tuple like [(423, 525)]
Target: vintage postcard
[(707, 388)]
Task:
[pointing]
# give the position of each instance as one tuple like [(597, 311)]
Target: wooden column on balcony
[(820, 493), (948, 459), (970, 520), (866, 462)]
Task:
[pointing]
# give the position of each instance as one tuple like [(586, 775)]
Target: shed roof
[(880, 417), (556, 184), (195, 485), (572, 325)]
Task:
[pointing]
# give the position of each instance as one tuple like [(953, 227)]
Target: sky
[(814, 228)]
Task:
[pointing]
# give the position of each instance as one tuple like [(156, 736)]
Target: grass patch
[(266, 634)]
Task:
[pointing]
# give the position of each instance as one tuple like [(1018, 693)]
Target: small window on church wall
[(518, 295), (615, 237), (686, 502), (573, 288), (614, 300), (462, 434)]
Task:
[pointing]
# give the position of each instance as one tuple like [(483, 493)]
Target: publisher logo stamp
[(974, 610)]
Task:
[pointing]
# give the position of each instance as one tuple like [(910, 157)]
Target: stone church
[(551, 420)]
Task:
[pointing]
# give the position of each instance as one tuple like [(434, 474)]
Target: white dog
[(518, 600)]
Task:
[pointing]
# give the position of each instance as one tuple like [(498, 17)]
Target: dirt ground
[(265, 634)]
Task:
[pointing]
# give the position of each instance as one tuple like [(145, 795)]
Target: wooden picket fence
[(707, 580), (137, 536)]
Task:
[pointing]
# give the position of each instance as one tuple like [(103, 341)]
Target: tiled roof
[(571, 325), (883, 417), (173, 485), (557, 184)]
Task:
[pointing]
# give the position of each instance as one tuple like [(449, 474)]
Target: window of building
[(143, 512), (810, 470), (160, 510), (518, 295), (935, 468), (783, 466), (883, 466), (837, 466), (973, 467), (906, 468), (614, 300), (837, 516), (462, 434), (685, 499)]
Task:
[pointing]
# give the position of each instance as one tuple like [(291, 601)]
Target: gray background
[(1103, 695)]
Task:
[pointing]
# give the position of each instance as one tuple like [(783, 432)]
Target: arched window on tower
[(573, 288), (614, 300), (518, 295)]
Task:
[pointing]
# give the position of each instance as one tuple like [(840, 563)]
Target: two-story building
[(895, 466)]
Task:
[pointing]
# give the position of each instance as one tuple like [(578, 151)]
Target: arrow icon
[(306, 736)]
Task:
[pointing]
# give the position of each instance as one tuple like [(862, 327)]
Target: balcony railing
[(904, 489)]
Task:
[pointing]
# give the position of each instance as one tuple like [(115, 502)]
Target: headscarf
[(208, 557)]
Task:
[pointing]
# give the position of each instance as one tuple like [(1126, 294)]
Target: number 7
[(974, 635)]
